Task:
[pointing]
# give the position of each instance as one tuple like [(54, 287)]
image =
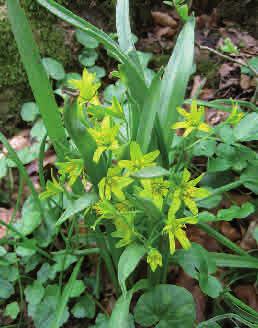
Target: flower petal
[(179, 125), (191, 205), (181, 236)]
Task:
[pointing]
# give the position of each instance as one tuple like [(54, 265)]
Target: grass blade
[(37, 76), (234, 261), (64, 298), (176, 78)]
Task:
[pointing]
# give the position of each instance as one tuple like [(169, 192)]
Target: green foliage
[(126, 186)]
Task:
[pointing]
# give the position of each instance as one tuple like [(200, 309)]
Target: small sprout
[(229, 47)]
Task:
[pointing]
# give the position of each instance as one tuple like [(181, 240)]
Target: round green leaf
[(29, 111), (34, 293), (86, 40), (53, 68), (12, 310), (77, 289), (84, 308), (6, 289), (88, 57), (166, 306), (2, 251), (99, 71)]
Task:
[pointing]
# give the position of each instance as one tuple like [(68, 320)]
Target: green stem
[(41, 162), (221, 317), (165, 262), (22, 171), (222, 239), (101, 242)]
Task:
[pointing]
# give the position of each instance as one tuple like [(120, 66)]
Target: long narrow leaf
[(148, 114), (176, 78), (234, 261), (37, 76), (123, 26), (64, 298)]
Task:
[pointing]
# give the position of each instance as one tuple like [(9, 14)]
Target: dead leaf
[(229, 231), (164, 32), (163, 19), (248, 241), (5, 215), (245, 82)]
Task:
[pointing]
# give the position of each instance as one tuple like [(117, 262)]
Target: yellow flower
[(113, 184), (138, 159), (53, 188), (124, 230), (155, 189), (154, 259), (88, 88), (235, 116), (193, 120), (174, 228), (186, 192), (105, 137), (73, 168)]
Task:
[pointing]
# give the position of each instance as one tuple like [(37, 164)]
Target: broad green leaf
[(175, 80), (29, 111), (247, 128), (218, 164), (166, 306), (38, 130), (212, 288), (30, 218), (151, 172), (250, 177), (25, 250), (88, 57), (34, 293), (235, 212), (123, 27), (86, 40), (204, 148), (53, 68), (99, 71), (128, 261), (66, 294), (77, 206), (101, 321), (63, 261), (84, 308), (252, 62), (37, 76), (2, 251), (255, 234), (78, 288), (12, 310), (6, 289), (121, 317)]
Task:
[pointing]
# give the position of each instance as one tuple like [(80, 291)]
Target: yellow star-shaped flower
[(138, 159), (174, 228), (113, 183), (88, 88), (193, 120), (235, 116), (73, 168), (187, 191), (105, 135), (155, 189)]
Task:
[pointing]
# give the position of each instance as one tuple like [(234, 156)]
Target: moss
[(50, 38)]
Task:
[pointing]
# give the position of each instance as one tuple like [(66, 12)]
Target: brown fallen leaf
[(164, 32), (163, 19), (245, 82), (248, 241), (229, 231)]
